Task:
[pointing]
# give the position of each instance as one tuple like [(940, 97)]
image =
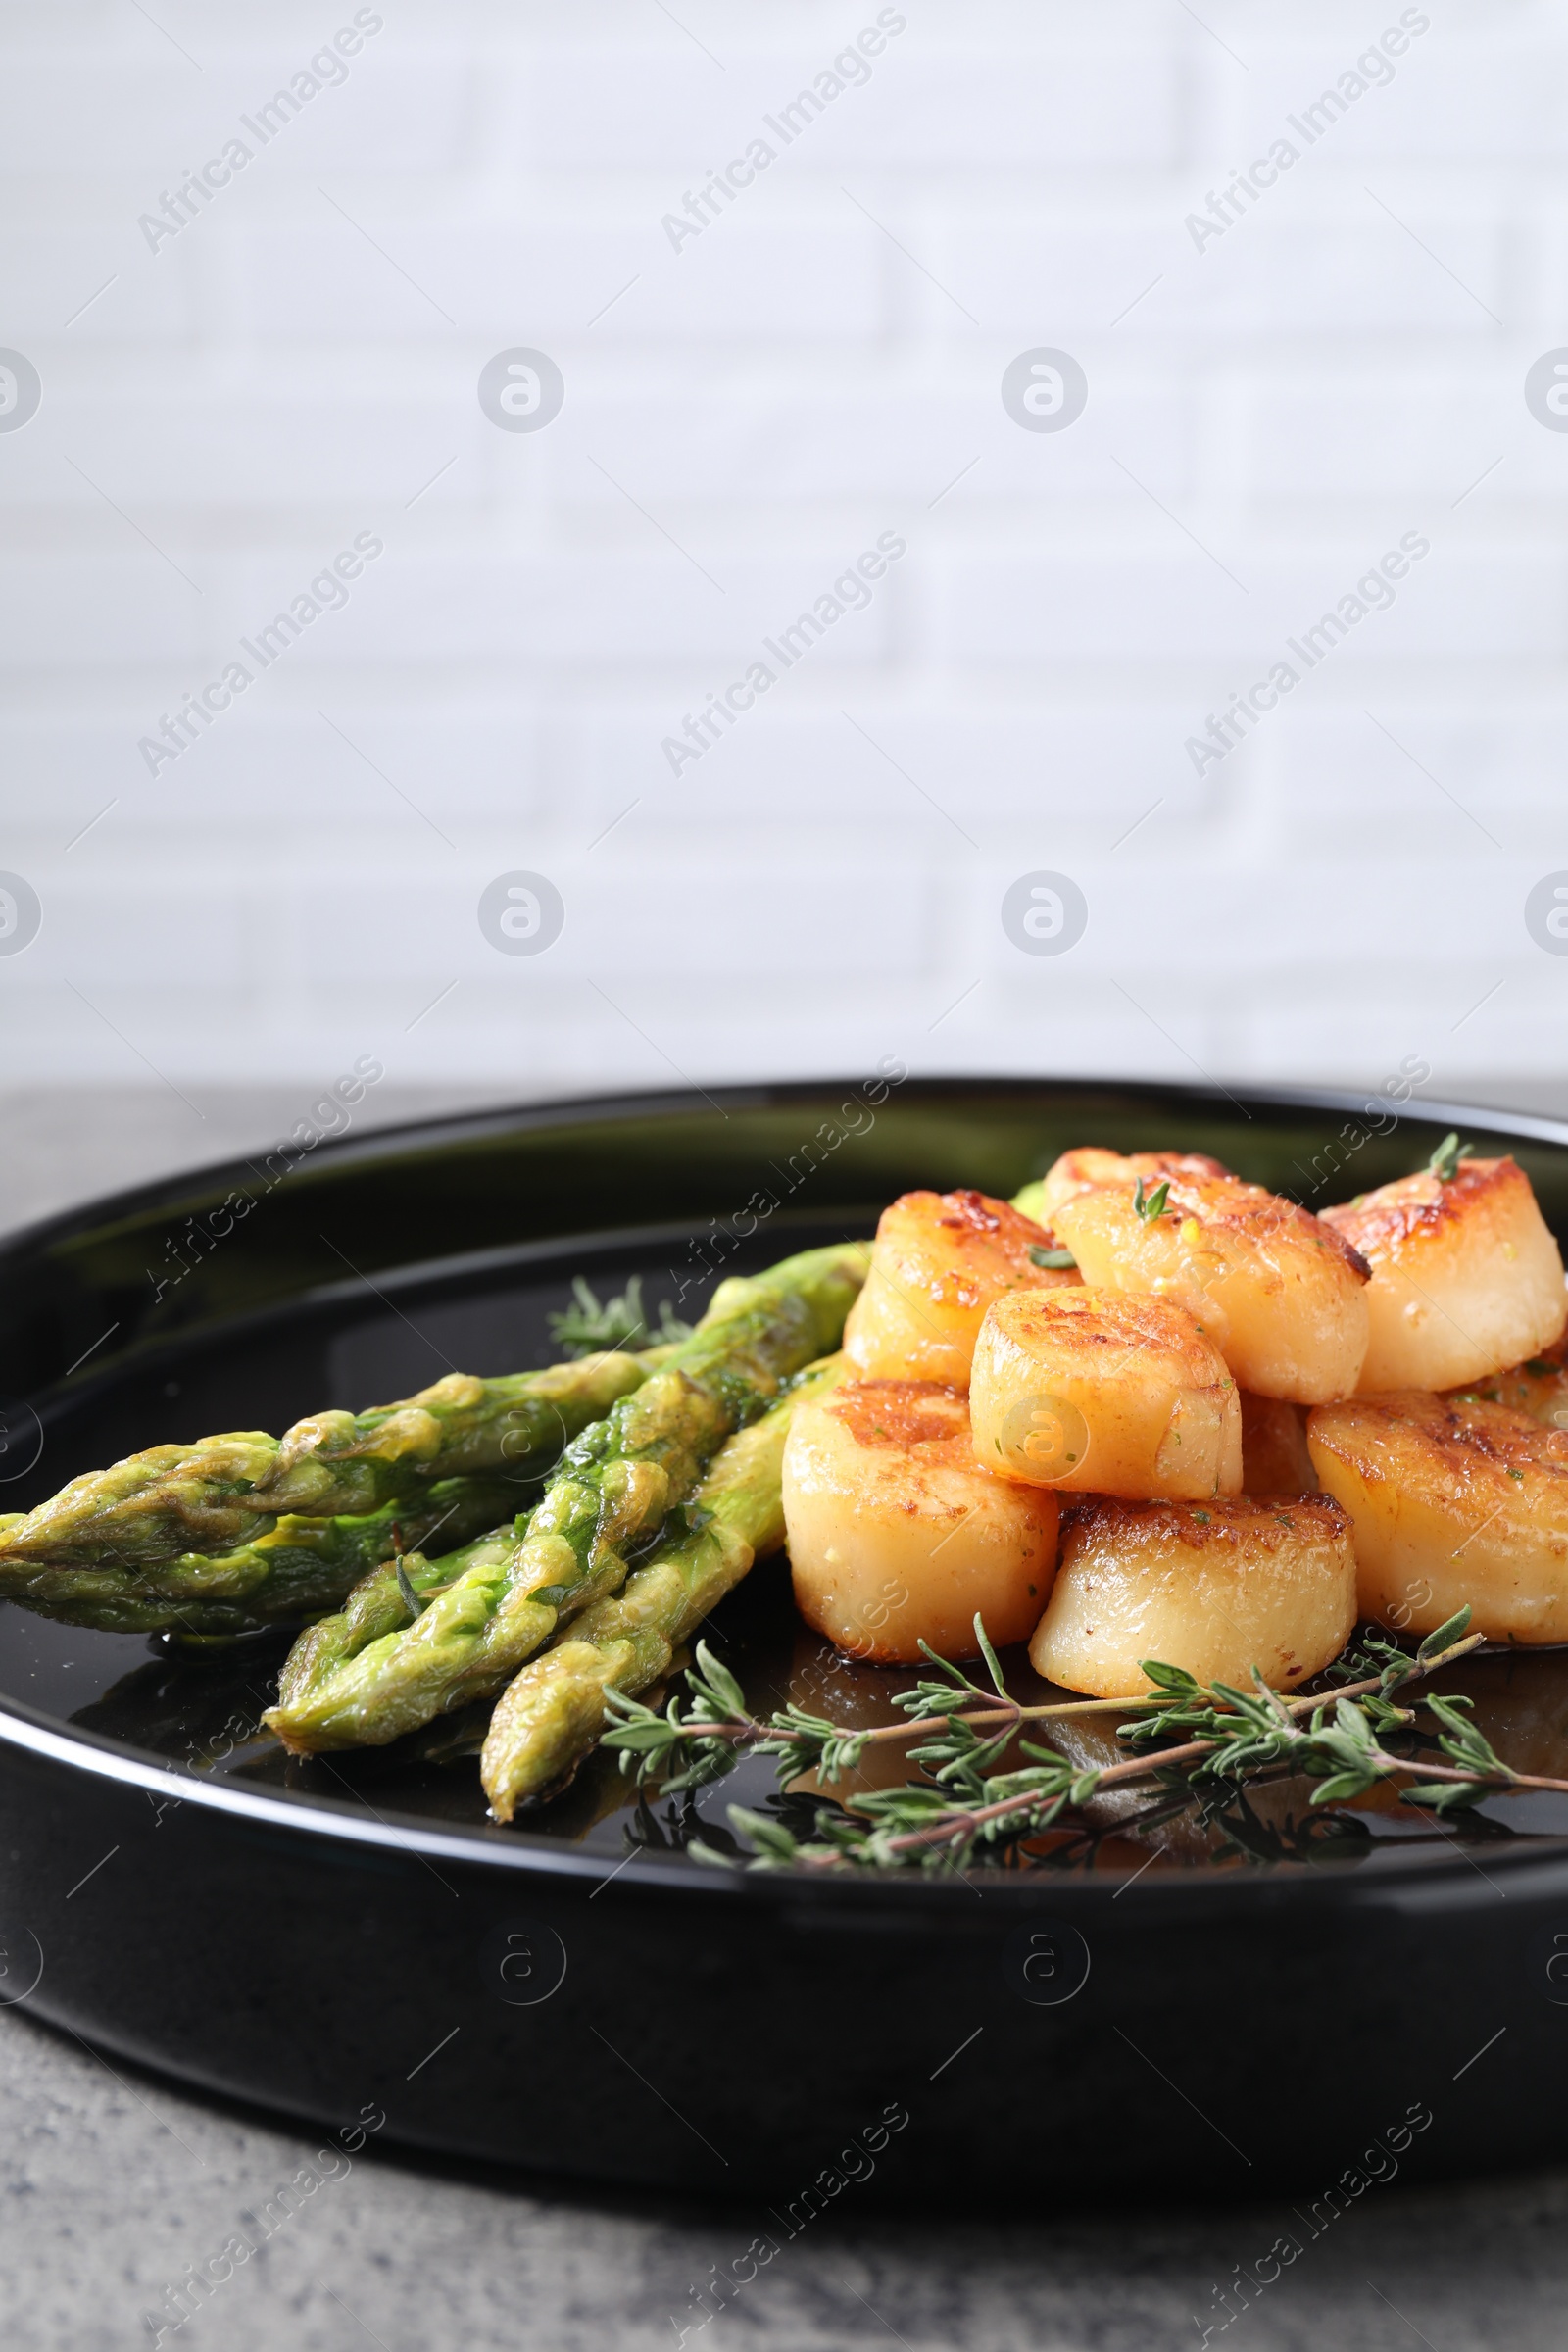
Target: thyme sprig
[(715, 1727), (618, 1322), (963, 1802)]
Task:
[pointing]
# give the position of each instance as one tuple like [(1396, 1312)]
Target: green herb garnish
[(1445, 1162), (1338, 1738), (1150, 1205), (410, 1599), (586, 1326)]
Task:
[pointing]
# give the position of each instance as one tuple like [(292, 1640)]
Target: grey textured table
[(115, 2182)]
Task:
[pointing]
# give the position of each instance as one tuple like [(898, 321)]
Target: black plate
[(1257, 1996)]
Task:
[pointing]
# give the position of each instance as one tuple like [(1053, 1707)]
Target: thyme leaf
[(1445, 1162), (1150, 1205)]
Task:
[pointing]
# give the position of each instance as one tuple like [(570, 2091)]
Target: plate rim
[(555, 1110)]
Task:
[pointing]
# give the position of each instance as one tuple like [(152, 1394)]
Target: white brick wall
[(744, 415)]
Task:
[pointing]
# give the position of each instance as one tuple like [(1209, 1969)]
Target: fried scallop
[(1275, 1459), (1099, 1391), (1466, 1279), (1080, 1171), (1453, 1500), (937, 1261), (896, 1533), (1266, 1581), (1282, 1294)]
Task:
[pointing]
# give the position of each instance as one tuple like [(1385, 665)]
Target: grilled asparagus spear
[(378, 1608), (615, 1485), (224, 1493), (551, 1712), (304, 1565)]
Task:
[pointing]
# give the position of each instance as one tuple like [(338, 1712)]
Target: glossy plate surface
[(578, 1963)]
